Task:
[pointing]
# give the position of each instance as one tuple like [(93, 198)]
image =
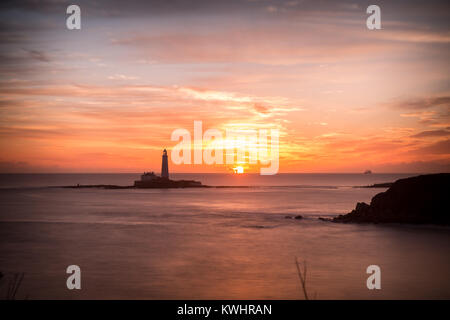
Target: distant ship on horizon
[(367, 172)]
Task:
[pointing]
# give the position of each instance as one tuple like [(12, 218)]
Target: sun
[(238, 169)]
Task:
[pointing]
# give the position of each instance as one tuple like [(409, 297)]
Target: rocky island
[(417, 200), (149, 180)]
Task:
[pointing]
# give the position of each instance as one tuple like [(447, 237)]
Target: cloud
[(269, 43), (261, 109), (38, 55), (77, 111), (433, 166), (26, 167), (440, 147), (432, 133), (423, 103), (271, 9), (122, 77)]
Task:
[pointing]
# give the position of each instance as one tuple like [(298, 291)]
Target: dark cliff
[(416, 200)]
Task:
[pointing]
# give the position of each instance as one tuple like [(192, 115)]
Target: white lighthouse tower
[(165, 166)]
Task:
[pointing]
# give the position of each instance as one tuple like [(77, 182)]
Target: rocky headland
[(417, 200)]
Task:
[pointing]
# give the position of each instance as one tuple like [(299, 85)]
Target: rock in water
[(417, 200)]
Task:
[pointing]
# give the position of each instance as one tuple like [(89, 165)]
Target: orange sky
[(106, 98)]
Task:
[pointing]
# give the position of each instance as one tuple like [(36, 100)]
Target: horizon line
[(230, 173)]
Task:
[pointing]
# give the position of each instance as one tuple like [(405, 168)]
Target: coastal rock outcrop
[(417, 200), (299, 217)]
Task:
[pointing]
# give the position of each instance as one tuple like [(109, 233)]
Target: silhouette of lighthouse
[(165, 166)]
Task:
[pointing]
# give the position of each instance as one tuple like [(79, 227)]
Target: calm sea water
[(220, 243)]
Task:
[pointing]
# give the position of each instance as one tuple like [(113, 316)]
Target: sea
[(237, 241)]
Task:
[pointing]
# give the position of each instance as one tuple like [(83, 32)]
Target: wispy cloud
[(423, 103), (432, 133), (122, 77)]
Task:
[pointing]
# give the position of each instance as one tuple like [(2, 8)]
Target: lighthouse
[(151, 180), (165, 166)]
